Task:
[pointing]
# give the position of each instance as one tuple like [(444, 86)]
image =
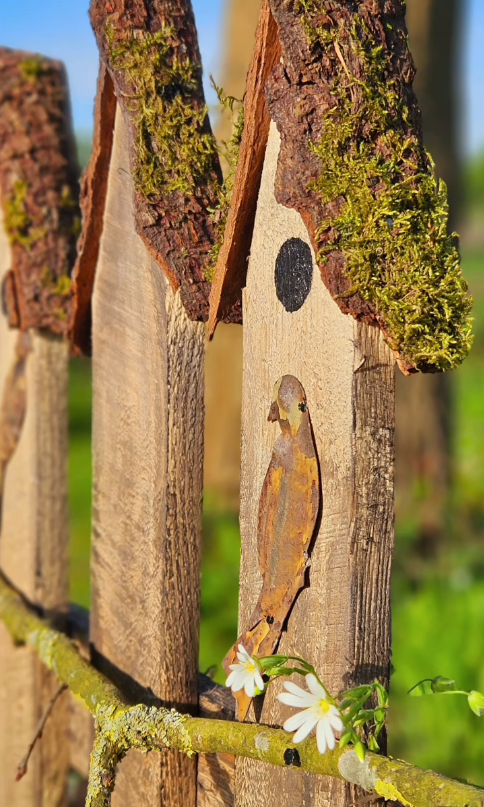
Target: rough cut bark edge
[(231, 269), (38, 190), (176, 226), (93, 199)]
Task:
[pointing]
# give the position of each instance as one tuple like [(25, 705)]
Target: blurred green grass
[(438, 620)]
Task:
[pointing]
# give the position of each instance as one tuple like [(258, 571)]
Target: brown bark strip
[(38, 188), (299, 94), (151, 51), (93, 199), (231, 269)]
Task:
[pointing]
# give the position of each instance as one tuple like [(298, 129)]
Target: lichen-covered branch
[(121, 726)]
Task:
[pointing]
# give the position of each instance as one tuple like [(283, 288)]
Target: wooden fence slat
[(147, 465), (341, 622), (34, 555)]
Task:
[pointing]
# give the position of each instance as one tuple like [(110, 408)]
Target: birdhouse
[(350, 268)]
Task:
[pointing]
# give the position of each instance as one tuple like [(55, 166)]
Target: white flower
[(245, 675), (317, 712)]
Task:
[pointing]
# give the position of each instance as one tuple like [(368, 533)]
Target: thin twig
[(23, 764)]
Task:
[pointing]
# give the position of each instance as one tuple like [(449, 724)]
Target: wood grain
[(341, 622), (33, 554), (147, 465)]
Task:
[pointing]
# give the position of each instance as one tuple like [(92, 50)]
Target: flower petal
[(329, 734), (238, 683), (230, 678), (259, 681), (315, 687), (250, 687), (294, 688), (321, 737), (295, 721), (293, 700), (306, 728), (335, 719), (304, 697)]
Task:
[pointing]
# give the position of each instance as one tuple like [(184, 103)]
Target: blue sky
[(60, 28)]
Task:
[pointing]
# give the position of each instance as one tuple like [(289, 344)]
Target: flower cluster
[(317, 710), (349, 714)]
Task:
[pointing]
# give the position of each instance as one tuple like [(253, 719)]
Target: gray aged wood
[(147, 465), (341, 622), (34, 555)]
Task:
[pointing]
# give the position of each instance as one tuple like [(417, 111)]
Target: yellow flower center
[(323, 707), (249, 667)]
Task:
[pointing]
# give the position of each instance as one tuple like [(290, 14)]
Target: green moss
[(18, 223), (392, 219), (173, 148), (17, 220), (32, 68), (63, 286)]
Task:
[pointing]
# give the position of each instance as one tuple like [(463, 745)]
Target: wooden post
[(147, 465), (34, 556), (341, 621), (38, 230)]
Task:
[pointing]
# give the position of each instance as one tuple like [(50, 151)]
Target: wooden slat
[(147, 465), (33, 554), (341, 622)]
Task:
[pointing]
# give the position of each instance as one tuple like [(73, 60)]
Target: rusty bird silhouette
[(288, 511)]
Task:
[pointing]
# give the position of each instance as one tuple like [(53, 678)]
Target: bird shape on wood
[(288, 511)]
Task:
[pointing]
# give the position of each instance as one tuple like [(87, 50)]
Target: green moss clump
[(63, 286), (32, 68), (173, 148), (392, 224), (17, 220)]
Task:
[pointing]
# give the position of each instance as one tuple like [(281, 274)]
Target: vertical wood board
[(341, 622), (147, 465), (34, 556)]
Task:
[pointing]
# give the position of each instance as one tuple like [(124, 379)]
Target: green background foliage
[(438, 606)]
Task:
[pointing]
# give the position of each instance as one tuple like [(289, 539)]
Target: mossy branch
[(121, 726)]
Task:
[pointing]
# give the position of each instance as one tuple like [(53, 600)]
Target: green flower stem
[(120, 726)]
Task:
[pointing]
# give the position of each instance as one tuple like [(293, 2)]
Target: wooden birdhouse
[(348, 271)]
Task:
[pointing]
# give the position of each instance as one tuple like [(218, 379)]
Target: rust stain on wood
[(288, 511), (38, 189)]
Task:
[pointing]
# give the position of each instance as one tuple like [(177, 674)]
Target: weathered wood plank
[(341, 622), (33, 554), (147, 464)]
